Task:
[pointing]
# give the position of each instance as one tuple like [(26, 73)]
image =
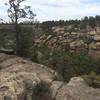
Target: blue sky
[(59, 9)]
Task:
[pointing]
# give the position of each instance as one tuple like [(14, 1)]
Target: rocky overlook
[(18, 78)]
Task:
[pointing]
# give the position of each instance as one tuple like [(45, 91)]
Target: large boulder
[(77, 89), (92, 33), (18, 77), (94, 50), (97, 38)]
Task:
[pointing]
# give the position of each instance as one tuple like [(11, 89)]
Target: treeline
[(91, 21), (82, 23)]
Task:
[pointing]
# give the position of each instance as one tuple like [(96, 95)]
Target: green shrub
[(58, 77), (41, 88), (92, 79), (67, 64), (72, 64)]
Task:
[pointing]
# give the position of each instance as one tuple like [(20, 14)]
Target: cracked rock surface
[(18, 77), (15, 72)]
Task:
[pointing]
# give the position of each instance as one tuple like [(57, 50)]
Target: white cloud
[(62, 9)]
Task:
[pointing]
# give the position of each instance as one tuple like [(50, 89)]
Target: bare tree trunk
[(17, 35), (17, 41)]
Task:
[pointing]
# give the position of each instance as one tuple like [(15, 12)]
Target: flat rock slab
[(18, 77)]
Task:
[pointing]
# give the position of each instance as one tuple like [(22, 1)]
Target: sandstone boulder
[(18, 77), (92, 33), (97, 38), (77, 89)]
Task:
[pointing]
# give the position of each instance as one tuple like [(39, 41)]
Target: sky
[(58, 9)]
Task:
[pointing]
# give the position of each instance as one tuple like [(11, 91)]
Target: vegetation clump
[(41, 91), (68, 64), (92, 79)]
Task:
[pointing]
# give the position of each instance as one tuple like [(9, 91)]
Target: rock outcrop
[(77, 89), (61, 37), (95, 46), (19, 77), (86, 41)]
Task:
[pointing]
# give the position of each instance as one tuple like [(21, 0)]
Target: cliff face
[(19, 77), (84, 40), (77, 40)]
